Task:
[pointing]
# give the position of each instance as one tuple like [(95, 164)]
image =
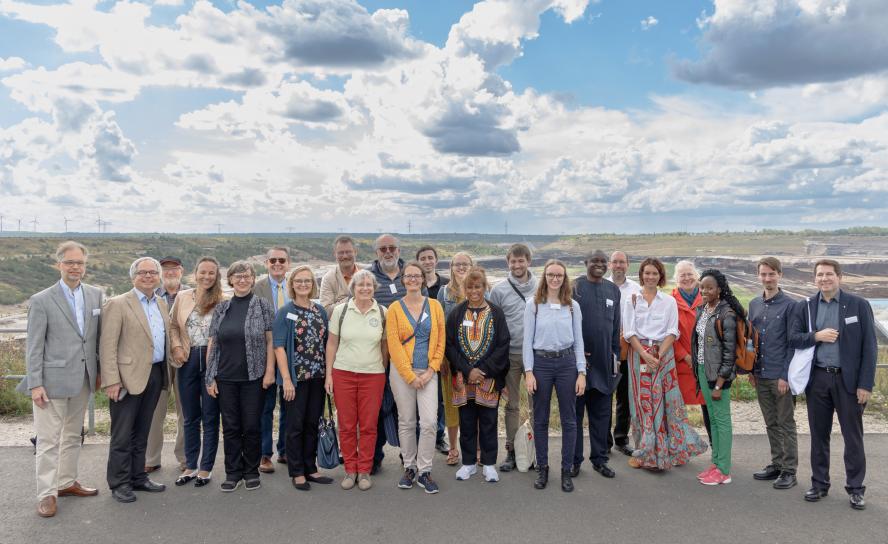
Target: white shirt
[(627, 289), (650, 322)]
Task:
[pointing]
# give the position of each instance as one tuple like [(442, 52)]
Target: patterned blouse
[(309, 343), (475, 341), (701, 331), (198, 327)]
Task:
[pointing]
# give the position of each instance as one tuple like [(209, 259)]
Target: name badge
[(555, 306), (393, 289), (467, 323), (849, 320), (291, 317), (423, 317), (609, 302), (96, 311)]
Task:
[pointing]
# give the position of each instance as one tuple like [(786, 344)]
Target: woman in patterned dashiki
[(478, 351), (300, 338), (449, 296), (189, 334), (663, 436), (554, 357)]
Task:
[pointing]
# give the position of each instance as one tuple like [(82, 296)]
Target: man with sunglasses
[(273, 288)]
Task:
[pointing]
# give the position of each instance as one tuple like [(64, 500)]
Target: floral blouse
[(309, 343), (198, 327)]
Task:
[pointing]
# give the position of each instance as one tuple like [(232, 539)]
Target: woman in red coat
[(687, 296)]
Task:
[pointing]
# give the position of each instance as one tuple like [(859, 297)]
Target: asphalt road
[(637, 506)]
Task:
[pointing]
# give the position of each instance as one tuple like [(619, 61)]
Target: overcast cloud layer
[(338, 118)]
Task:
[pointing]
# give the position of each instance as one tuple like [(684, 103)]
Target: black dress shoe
[(542, 478), (814, 494), (567, 484), (509, 464), (770, 472), (604, 470), (624, 449), (319, 479), (123, 493), (785, 481), (575, 470), (185, 478), (150, 486), (304, 486), (857, 502), (200, 482)]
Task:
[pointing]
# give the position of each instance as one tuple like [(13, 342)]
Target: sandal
[(453, 457)]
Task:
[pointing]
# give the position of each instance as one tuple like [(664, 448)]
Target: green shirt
[(359, 349)]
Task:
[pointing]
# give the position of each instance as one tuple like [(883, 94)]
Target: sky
[(518, 116)]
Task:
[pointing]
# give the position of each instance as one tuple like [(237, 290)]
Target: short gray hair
[(239, 267), (681, 264), (135, 266), (359, 276), (65, 247), (381, 236)]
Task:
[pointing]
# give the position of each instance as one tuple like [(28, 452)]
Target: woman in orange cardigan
[(415, 334), (687, 296)]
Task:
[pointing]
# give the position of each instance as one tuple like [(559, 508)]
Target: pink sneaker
[(706, 472), (716, 478)]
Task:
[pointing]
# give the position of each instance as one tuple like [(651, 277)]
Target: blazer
[(857, 338), (182, 308), (398, 329), (263, 289), (126, 344), (334, 289), (494, 364), (57, 355)]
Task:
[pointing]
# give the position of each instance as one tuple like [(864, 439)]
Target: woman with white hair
[(687, 297), (355, 375)]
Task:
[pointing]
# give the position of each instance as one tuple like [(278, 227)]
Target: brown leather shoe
[(77, 490), (266, 466), (46, 508), (152, 468)]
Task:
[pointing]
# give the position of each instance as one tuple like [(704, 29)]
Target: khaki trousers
[(513, 384), (58, 427), (417, 453), (155, 437)]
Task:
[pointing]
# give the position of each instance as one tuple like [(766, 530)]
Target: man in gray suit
[(61, 358)]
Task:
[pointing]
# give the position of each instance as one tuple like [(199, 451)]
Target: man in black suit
[(842, 375)]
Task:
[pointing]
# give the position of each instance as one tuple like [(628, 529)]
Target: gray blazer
[(57, 354)]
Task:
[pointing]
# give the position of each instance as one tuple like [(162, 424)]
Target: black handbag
[(328, 443)]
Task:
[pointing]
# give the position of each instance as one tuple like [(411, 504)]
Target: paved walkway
[(637, 506)]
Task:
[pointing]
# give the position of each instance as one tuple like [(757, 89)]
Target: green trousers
[(720, 419)]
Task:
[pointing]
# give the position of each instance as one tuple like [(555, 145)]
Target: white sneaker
[(466, 471), (490, 474)]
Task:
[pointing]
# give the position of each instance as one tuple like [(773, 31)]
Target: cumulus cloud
[(757, 44), (11, 64), (649, 22)]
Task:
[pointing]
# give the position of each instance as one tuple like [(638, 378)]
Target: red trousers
[(358, 399)]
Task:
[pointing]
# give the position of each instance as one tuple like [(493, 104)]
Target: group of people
[(409, 356)]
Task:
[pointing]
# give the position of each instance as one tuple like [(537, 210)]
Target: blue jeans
[(560, 373), (198, 409), (272, 394)]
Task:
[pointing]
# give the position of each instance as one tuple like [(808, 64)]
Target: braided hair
[(725, 292)]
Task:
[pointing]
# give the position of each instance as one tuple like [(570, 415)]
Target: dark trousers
[(620, 436), (130, 424), (378, 453), (560, 373), (779, 413), (478, 424), (598, 406), (272, 395), (241, 406), (826, 394), (303, 413), (198, 409)]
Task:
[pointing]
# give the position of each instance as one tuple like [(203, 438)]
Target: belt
[(829, 369), (649, 342), (553, 354)]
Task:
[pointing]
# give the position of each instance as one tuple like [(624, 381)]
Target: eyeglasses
[(413, 277), (242, 277), (302, 282), (149, 273), (73, 263), (387, 249), (551, 276), (277, 260)]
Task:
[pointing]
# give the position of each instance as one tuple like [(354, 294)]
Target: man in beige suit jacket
[(134, 350)]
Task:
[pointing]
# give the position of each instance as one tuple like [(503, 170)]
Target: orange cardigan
[(398, 329)]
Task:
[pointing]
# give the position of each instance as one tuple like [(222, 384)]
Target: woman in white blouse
[(663, 436)]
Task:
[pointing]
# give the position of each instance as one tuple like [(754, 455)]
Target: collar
[(143, 297), (837, 297), (68, 291), (278, 284), (353, 306), (780, 294)]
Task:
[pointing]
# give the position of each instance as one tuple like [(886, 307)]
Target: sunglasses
[(277, 260), (387, 249)]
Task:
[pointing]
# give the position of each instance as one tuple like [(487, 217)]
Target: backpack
[(747, 348)]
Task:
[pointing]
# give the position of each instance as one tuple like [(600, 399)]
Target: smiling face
[(277, 262), (147, 277), (555, 275), (413, 278), (826, 279), (428, 261), (768, 277), (460, 267), (242, 282), (388, 252), (709, 290), (364, 290), (72, 267), (650, 276), (345, 255), (619, 266), (686, 280), (475, 292), (596, 265), (302, 283), (518, 266), (172, 276), (206, 275)]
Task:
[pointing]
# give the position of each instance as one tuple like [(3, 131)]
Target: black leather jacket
[(719, 355)]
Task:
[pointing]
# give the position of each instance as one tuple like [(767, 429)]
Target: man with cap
[(171, 284)]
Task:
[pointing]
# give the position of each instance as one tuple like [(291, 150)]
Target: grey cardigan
[(719, 356), (260, 318)]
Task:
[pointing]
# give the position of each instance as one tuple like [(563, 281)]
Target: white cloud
[(12, 64), (649, 22)]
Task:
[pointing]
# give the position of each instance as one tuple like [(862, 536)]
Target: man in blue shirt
[(770, 315)]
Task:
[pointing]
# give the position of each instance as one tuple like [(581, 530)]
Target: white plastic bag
[(525, 450), (800, 365)]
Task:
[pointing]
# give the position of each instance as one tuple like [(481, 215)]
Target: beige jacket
[(334, 289)]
